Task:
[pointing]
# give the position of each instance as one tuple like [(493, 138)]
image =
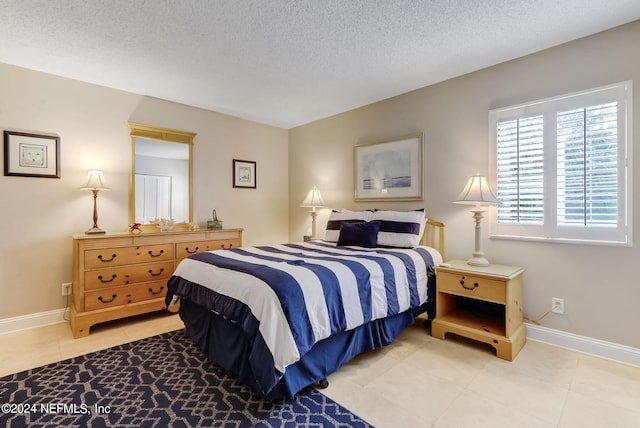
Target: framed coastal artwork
[(389, 170)]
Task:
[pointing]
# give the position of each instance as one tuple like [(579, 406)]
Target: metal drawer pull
[(156, 255), (156, 292), (230, 245), (113, 256), (475, 285), (107, 280), (191, 252), (108, 301), (156, 274)]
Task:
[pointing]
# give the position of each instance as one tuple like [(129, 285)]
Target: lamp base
[(478, 261), (478, 258), (95, 230)]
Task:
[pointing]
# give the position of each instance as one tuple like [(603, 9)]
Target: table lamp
[(95, 183), (313, 201), (477, 192)]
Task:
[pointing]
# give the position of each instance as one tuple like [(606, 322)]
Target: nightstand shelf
[(471, 321), (481, 303)]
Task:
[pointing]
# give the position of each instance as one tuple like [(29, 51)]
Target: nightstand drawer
[(472, 286)]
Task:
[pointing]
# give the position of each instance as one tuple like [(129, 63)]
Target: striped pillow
[(400, 228), (332, 232)]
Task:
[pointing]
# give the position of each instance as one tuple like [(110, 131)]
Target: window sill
[(561, 240)]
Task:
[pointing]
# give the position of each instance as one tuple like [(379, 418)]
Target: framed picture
[(389, 170), (31, 155), (244, 174)]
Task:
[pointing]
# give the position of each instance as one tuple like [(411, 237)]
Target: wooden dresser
[(120, 275)]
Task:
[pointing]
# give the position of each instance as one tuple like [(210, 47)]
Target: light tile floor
[(417, 381)]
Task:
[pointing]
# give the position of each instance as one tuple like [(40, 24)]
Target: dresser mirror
[(161, 180)]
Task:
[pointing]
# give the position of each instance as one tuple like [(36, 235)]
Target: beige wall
[(38, 216), (599, 284)]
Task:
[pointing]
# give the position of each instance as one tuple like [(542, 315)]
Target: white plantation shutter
[(587, 166), (562, 167), (520, 172)]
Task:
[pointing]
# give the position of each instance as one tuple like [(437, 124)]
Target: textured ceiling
[(287, 63)]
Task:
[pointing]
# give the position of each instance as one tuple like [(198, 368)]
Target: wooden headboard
[(434, 236)]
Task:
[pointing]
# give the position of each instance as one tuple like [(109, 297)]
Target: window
[(153, 197), (562, 167)]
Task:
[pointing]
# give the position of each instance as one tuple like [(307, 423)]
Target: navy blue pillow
[(359, 234)]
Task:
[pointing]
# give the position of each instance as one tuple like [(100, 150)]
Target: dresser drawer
[(472, 286), (95, 259), (118, 296), (117, 276), (185, 249)]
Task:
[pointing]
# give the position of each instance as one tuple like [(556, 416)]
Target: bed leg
[(323, 383)]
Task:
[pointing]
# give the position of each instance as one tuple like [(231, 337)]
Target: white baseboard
[(586, 345), (574, 342), (39, 319)]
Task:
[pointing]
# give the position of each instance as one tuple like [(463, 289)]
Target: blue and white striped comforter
[(303, 293)]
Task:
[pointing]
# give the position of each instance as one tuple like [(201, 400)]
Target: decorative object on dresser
[(313, 200), (31, 155), (166, 224), (389, 170), (244, 174), (477, 192), (481, 303), (214, 224), (120, 275), (95, 183)]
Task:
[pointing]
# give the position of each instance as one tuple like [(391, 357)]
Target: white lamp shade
[(95, 181), (313, 199), (477, 192)]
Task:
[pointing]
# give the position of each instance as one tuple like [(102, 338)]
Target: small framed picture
[(31, 155), (244, 174)]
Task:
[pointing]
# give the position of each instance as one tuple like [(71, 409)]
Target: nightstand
[(481, 303)]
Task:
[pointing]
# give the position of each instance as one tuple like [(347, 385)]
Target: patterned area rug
[(159, 381)]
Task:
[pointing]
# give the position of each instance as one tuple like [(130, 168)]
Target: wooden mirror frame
[(162, 134)]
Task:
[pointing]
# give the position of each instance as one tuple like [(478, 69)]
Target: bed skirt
[(225, 343)]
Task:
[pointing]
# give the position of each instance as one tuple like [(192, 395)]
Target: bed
[(283, 317)]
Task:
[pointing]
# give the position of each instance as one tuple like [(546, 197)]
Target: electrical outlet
[(557, 305), (66, 288)]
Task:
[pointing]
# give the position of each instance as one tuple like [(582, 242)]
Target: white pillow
[(332, 232), (400, 228)]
